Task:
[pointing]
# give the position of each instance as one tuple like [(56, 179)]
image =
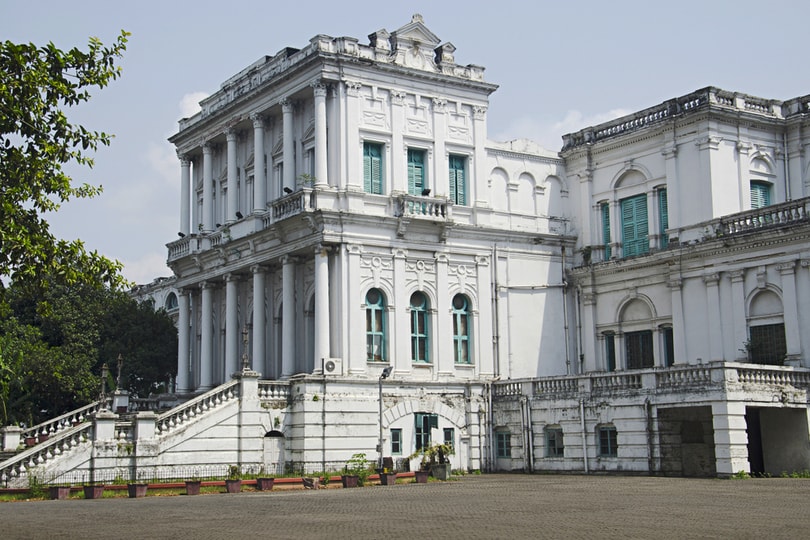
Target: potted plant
[(58, 492), (356, 471), (233, 484), (264, 483), (193, 486), (137, 489), (93, 491), (434, 461), (388, 478)]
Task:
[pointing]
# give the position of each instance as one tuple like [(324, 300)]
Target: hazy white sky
[(561, 66)]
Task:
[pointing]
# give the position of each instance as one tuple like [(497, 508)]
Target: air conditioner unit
[(332, 366)]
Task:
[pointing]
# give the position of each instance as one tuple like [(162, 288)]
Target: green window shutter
[(606, 229), (634, 226), (457, 182), (760, 194), (663, 217), (372, 168), (416, 171)]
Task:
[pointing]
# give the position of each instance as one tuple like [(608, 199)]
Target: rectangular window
[(372, 168), (608, 444), (610, 352), (605, 209), (554, 442), (450, 437), (458, 182), (760, 194), (663, 217), (639, 347), (635, 232), (396, 442), (767, 344), (669, 346), (424, 422), (417, 179), (503, 443)]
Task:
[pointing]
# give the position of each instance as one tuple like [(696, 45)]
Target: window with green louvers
[(635, 239)]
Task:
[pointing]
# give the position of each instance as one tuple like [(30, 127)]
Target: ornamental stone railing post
[(11, 438)]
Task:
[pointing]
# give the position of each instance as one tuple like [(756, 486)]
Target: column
[(790, 310), (259, 319), (231, 326), (288, 154), (670, 153), (713, 314), (185, 193), (480, 157), (678, 329), (483, 346), (287, 316), (354, 317), (259, 173), (182, 385), (441, 177), (400, 346), (396, 182), (441, 344), (206, 337), (208, 189), (322, 335), (730, 438), (588, 354), (233, 189), (738, 317), (321, 179)]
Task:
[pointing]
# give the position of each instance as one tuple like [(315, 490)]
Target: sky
[(560, 67)]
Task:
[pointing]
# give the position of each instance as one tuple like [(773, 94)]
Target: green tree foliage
[(55, 339), (37, 86)]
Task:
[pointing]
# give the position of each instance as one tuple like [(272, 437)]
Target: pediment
[(414, 33)]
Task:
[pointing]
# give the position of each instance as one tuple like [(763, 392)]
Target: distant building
[(634, 302)]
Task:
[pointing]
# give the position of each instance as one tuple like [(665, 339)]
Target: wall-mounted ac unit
[(332, 366)]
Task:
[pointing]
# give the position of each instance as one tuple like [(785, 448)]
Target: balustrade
[(274, 391), (42, 432), (14, 470), (170, 420), (425, 207)]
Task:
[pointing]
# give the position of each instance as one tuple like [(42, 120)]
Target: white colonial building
[(635, 302)]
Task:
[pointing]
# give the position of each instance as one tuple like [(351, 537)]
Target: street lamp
[(384, 375), (104, 371)]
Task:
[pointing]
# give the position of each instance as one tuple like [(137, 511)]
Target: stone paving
[(485, 506)]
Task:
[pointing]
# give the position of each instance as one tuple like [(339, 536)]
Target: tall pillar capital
[(287, 106), (258, 120), (319, 88)]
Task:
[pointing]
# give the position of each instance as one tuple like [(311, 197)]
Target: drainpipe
[(565, 313), (584, 434), (650, 437), (580, 354), (491, 429), (495, 320), (524, 436), (323, 423), (786, 161), (529, 435)]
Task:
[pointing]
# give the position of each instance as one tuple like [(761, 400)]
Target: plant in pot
[(434, 461), (58, 492), (233, 484), (193, 486), (264, 482), (356, 471)]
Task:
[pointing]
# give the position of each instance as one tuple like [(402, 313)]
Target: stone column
[(678, 329), (206, 337), (233, 188), (738, 316), (259, 319), (185, 194), (715, 326), (259, 173), (321, 179), (400, 351), (208, 189), (322, 335), (484, 352), (181, 383), (440, 172), (288, 153), (442, 344), (480, 155), (730, 438), (588, 355), (231, 325), (790, 311), (357, 355), (287, 316)]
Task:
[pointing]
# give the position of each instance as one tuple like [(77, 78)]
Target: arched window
[(461, 329), (419, 328), (171, 302), (375, 326)]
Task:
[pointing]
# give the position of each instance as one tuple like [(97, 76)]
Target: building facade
[(350, 239)]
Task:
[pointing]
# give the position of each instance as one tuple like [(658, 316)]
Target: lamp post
[(104, 371), (384, 375)]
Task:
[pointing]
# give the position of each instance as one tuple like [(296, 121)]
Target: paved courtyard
[(486, 506)]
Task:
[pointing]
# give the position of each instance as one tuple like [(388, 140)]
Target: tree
[(54, 353), (36, 140)]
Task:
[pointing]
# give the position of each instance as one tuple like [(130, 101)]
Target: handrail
[(41, 432), (177, 416)]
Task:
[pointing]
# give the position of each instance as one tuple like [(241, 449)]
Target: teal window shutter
[(372, 168), (635, 240), (461, 329), (760, 194), (419, 328), (416, 171), (606, 229), (458, 187), (663, 217), (375, 326)]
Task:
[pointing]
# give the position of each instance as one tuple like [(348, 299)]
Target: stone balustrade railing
[(176, 417), (292, 204), (656, 380), (42, 432), (424, 207), (60, 443), (765, 217), (274, 391)]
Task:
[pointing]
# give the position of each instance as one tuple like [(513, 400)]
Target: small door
[(274, 452)]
